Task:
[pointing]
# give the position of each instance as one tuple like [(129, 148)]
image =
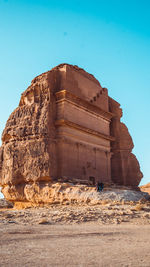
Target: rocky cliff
[(125, 168)]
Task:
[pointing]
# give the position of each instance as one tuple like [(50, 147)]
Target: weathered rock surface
[(66, 126), (66, 193), (82, 206)]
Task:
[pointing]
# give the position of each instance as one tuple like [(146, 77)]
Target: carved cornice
[(66, 95), (70, 124)]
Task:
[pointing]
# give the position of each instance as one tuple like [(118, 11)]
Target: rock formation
[(145, 188), (67, 128)]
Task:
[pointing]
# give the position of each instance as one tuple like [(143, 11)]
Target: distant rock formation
[(66, 127), (145, 188)]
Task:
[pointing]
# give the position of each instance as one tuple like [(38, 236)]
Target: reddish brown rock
[(125, 168), (66, 127)]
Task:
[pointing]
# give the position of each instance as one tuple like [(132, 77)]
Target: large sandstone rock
[(65, 127)]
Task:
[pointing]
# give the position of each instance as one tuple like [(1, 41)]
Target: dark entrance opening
[(92, 180)]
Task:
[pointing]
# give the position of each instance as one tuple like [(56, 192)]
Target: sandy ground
[(76, 235), (86, 244)]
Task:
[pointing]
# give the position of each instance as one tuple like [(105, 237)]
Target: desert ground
[(86, 244), (110, 234)]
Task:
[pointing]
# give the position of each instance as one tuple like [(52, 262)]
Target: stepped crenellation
[(96, 97)]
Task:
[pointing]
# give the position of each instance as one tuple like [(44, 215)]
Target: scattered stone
[(5, 204), (44, 221)]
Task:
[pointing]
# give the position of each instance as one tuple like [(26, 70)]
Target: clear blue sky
[(108, 38)]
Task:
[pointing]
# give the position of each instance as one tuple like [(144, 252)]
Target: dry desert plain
[(107, 234)]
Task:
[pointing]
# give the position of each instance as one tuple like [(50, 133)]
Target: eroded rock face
[(125, 167), (66, 126)]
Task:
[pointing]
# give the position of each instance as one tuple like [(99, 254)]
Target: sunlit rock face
[(145, 188), (66, 127)]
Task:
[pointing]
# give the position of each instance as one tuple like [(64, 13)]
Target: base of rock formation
[(33, 195), (107, 211)]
